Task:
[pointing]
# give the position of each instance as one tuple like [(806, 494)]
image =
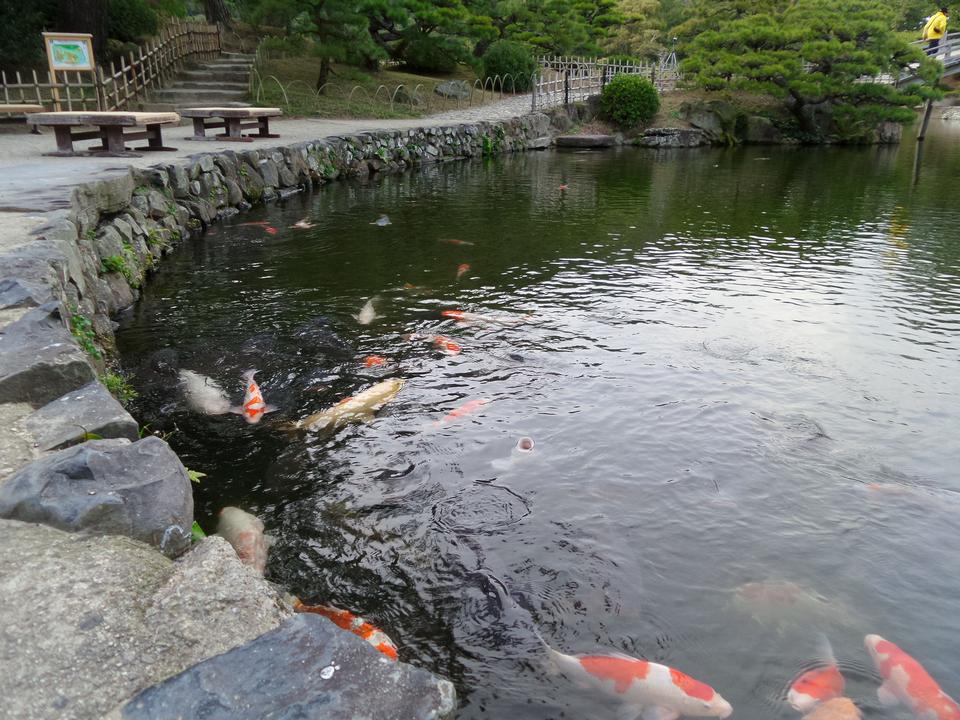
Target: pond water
[(740, 368)]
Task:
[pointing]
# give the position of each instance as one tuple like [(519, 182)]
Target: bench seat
[(231, 119), (110, 131)]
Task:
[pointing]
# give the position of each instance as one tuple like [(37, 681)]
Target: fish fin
[(366, 417), (292, 429), (825, 650), (236, 410), (654, 712), (270, 540), (248, 375), (270, 409), (886, 696)]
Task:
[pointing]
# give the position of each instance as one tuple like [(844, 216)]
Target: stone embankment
[(101, 594)]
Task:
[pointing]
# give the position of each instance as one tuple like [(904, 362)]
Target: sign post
[(65, 52)]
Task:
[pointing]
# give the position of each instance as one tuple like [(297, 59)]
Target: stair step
[(196, 97), (208, 85), (228, 66), (214, 76)]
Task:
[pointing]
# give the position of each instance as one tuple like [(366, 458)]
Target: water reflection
[(740, 369)]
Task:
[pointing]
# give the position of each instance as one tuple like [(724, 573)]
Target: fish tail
[(825, 650), (248, 375)]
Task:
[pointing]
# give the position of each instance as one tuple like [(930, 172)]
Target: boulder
[(951, 114), (586, 141), (672, 138), (87, 622), (716, 118), (39, 360), (17, 293), (113, 487), (759, 130), (456, 89), (90, 409), (307, 669), (888, 133)]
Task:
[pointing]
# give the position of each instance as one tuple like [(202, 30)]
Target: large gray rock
[(87, 622), (716, 118), (90, 409), (456, 89), (307, 669), (759, 130), (39, 360), (15, 293), (586, 141), (113, 487), (672, 138)]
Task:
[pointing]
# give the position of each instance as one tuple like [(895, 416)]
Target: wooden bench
[(110, 131), (231, 118), (21, 109)]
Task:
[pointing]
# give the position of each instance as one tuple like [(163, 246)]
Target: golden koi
[(359, 407)]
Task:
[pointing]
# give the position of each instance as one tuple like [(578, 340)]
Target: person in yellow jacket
[(935, 29)]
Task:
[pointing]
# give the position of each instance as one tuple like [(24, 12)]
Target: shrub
[(428, 53), (129, 20), (510, 58), (629, 100), (119, 387)]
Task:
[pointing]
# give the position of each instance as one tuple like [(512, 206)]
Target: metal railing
[(125, 80)]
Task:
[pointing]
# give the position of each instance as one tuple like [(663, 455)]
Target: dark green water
[(740, 366)]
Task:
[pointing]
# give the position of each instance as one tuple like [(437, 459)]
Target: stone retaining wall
[(71, 456)]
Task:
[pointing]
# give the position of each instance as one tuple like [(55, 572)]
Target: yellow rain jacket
[(936, 26)]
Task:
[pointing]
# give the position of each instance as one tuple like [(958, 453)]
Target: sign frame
[(52, 39)]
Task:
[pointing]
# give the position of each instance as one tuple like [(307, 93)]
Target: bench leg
[(155, 139), (264, 123), (64, 142), (113, 145), (199, 130), (233, 131)]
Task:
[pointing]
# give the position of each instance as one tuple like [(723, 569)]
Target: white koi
[(203, 394), (245, 533)]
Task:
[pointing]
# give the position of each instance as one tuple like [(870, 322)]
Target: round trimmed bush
[(629, 100), (505, 57)]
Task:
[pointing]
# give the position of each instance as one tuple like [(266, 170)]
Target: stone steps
[(223, 81)]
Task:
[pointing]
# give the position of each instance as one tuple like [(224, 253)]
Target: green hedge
[(629, 100)]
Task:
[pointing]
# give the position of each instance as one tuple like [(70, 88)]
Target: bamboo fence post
[(6, 95), (36, 87)]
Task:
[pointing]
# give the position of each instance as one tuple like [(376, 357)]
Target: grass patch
[(119, 387), (82, 329), (371, 91)]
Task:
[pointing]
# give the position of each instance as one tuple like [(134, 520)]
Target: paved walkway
[(31, 183)]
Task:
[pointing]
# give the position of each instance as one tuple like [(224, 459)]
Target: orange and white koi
[(906, 681), (655, 691), (270, 230), (468, 407), (374, 360), (262, 223), (245, 533), (461, 316), (446, 345), (564, 186), (817, 685), (462, 269), (841, 708), (355, 624), (254, 408), (303, 224), (453, 241)]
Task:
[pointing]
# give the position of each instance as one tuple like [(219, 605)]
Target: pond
[(740, 369)]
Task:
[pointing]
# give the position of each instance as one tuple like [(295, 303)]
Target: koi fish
[(367, 314), (374, 360), (452, 241), (355, 624), (462, 268), (254, 408), (564, 186), (270, 230), (359, 407), (245, 533), (254, 222), (446, 345), (203, 395), (841, 708), (303, 224), (382, 221), (818, 685), (462, 316), (465, 409), (656, 692), (905, 681), (525, 444)]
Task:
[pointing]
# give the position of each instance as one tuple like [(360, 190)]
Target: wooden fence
[(563, 80), (128, 79)]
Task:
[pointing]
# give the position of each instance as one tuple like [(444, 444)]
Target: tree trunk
[(323, 76), (216, 12), (84, 16)]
